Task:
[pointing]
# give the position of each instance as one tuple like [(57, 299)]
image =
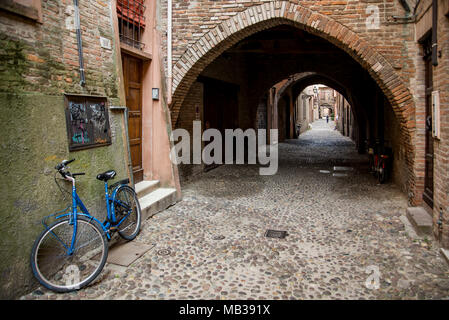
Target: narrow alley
[(341, 225)]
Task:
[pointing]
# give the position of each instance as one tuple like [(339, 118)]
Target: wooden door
[(220, 107), (132, 73)]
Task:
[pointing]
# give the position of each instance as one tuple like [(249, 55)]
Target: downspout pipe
[(80, 43), (169, 52), (434, 32), (130, 166)]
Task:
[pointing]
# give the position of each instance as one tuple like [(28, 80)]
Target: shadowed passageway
[(321, 144)]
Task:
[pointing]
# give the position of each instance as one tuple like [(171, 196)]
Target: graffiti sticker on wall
[(79, 121), (87, 122)]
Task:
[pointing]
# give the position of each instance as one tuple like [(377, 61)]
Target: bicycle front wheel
[(128, 215), (60, 270)]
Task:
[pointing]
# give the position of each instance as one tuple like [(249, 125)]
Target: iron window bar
[(131, 22)]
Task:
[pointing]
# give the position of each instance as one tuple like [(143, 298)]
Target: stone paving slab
[(125, 253)]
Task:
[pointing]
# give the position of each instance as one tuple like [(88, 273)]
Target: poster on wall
[(87, 122)]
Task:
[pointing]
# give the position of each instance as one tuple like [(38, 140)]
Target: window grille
[(131, 21)]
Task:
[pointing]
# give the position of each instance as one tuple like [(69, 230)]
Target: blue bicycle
[(71, 252)]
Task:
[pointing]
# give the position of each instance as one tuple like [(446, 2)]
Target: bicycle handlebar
[(63, 164), (78, 174), (65, 174)]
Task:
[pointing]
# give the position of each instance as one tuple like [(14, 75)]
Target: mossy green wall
[(38, 64), (34, 140)]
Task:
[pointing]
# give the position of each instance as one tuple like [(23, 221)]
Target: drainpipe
[(169, 51), (130, 166), (80, 44), (434, 32)]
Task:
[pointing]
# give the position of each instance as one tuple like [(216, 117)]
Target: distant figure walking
[(327, 118)]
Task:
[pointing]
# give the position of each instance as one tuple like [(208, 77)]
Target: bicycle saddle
[(105, 176)]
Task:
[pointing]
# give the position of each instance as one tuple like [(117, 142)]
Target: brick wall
[(193, 19), (43, 57), (441, 146)]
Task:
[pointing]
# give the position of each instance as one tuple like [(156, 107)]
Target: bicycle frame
[(106, 225)]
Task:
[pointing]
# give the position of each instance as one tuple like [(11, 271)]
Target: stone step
[(420, 219), (156, 201), (445, 254), (145, 187)]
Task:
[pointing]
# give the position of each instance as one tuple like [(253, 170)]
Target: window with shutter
[(31, 9)]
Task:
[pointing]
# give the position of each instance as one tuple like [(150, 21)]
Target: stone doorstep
[(420, 219), (156, 201), (145, 187)]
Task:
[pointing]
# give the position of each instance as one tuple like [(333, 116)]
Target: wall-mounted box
[(87, 122), (155, 93)]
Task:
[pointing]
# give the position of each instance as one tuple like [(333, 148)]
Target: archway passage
[(270, 68), (336, 216), (271, 46)]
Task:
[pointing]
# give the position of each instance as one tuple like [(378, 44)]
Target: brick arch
[(294, 79), (310, 78), (270, 14), (302, 80)]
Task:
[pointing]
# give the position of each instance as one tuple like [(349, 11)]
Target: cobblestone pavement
[(340, 223)]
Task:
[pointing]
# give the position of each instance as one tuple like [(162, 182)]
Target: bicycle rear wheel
[(61, 271), (128, 214)]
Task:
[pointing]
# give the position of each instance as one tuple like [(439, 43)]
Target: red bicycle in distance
[(380, 159)]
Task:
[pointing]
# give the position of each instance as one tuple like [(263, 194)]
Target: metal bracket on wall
[(130, 166), (117, 108)]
